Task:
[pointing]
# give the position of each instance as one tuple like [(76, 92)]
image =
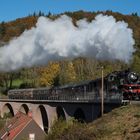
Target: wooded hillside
[(68, 71)]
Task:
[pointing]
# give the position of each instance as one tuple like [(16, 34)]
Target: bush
[(67, 130)]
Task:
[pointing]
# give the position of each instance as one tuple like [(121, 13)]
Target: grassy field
[(3, 96), (121, 124), (17, 82)]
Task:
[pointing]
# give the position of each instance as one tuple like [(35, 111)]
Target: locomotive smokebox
[(133, 77)]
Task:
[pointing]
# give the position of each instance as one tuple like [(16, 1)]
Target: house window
[(32, 136)]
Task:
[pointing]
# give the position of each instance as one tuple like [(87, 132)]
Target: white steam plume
[(103, 39)]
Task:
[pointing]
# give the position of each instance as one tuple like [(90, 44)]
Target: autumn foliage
[(68, 71)]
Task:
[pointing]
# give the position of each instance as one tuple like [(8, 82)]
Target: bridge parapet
[(85, 107), (88, 97)]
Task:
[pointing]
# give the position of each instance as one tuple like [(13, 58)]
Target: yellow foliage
[(71, 75), (67, 73), (47, 74)]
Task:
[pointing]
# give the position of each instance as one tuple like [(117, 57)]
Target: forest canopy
[(67, 71)]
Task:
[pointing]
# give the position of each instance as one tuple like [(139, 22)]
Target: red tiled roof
[(14, 126)]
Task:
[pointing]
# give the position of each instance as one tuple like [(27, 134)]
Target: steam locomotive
[(127, 83), (124, 84)]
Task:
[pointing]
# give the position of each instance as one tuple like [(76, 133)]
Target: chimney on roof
[(30, 113)]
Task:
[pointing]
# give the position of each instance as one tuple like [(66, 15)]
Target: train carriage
[(125, 84)]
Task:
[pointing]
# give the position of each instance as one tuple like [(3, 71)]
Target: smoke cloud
[(103, 39)]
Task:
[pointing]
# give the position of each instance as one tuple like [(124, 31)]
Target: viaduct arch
[(60, 113), (80, 115), (24, 108), (7, 109), (42, 118), (45, 112)]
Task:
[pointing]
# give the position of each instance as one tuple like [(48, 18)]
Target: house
[(22, 126)]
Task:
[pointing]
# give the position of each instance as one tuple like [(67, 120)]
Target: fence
[(83, 96)]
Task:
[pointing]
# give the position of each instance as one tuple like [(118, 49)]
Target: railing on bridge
[(83, 96)]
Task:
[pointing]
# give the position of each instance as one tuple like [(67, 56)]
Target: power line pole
[(102, 93), (102, 90)]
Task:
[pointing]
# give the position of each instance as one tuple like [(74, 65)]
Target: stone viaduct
[(44, 112)]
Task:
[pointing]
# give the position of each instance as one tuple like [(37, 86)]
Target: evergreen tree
[(56, 81), (34, 14), (135, 14), (2, 29), (39, 14), (49, 14)]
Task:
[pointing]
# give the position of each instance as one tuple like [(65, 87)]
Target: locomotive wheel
[(135, 96), (138, 97), (126, 96)]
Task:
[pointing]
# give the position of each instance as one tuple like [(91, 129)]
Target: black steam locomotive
[(118, 84), (127, 83)]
